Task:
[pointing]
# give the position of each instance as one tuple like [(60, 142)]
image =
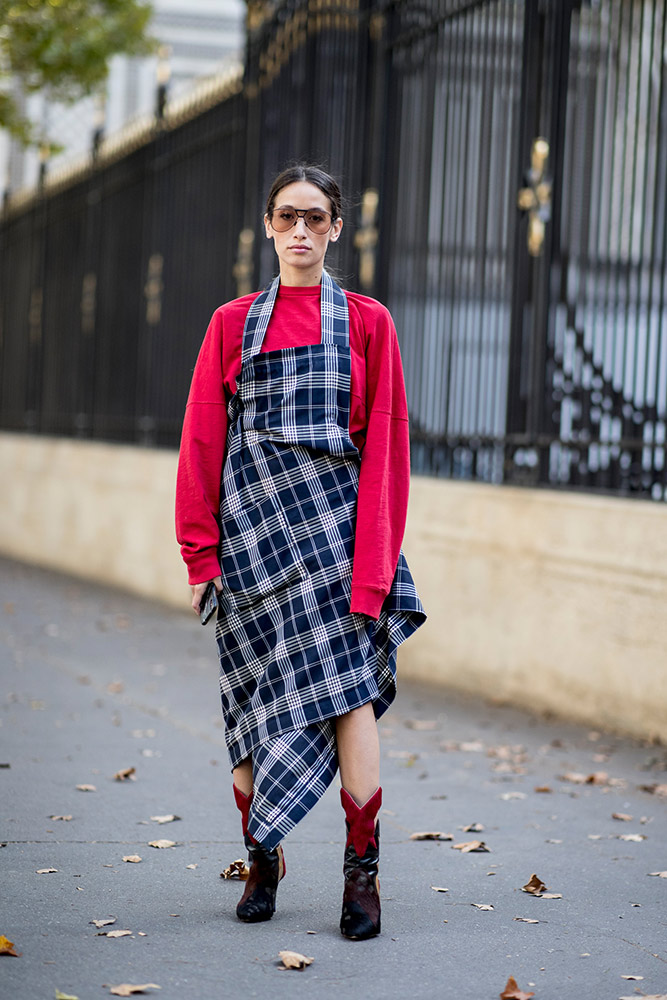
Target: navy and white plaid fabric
[(292, 656)]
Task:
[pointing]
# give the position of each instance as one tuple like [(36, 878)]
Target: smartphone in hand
[(209, 603)]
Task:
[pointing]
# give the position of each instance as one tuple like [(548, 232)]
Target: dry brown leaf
[(66, 819), (551, 895), (632, 977), (622, 816), (132, 858), (114, 934), (574, 777), (65, 996), (7, 947), (86, 788), (191, 866), (439, 888), (654, 789), (472, 828), (509, 796), (126, 989), (535, 886), (46, 871), (116, 687), (659, 874), (431, 835), (237, 869), (165, 819), (526, 920), (294, 960), (103, 923), (162, 843), (470, 846), (512, 991), (482, 906), (125, 774), (544, 789), (635, 838)]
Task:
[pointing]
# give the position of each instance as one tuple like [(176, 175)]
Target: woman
[(292, 496)]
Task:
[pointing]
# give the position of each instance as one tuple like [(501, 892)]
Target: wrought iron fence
[(506, 166)]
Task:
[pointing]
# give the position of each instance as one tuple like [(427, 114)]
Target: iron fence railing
[(505, 165)]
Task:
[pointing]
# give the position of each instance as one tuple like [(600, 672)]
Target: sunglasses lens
[(318, 222), (283, 219)]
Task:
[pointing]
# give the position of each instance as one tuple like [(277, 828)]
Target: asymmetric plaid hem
[(292, 655)]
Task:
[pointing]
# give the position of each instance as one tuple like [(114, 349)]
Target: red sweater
[(378, 427)]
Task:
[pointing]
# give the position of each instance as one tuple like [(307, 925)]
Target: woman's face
[(301, 251)]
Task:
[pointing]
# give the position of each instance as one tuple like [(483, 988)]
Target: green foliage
[(64, 47)]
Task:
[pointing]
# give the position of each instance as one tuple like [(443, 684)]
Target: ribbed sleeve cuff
[(203, 566), (367, 601)]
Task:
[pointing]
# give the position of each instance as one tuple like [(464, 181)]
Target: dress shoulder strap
[(333, 310)]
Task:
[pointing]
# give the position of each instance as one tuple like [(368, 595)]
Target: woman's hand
[(199, 589)]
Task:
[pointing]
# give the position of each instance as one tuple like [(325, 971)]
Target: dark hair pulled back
[(313, 175)]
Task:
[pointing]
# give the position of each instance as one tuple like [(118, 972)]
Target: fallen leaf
[(293, 960), (133, 858), (654, 789), (526, 920), (191, 866), (635, 838), (86, 788), (162, 843), (46, 871), (165, 819), (431, 835), (237, 869), (508, 796), (126, 989), (65, 996), (482, 906), (103, 923), (646, 996), (622, 816), (439, 888), (125, 774), (543, 789), (470, 846), (632, 977), (535, 886), (114, 934), (512, 991), (116, 687), (7, 947), (551, 895), (66, 819), (659, 874), (472, 828)]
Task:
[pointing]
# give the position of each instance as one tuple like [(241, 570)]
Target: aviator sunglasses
[(316, 219)]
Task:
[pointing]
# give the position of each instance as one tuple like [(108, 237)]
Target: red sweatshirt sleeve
[(200, 460), (384, 481)]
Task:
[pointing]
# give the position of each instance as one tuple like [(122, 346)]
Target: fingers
[(197, 594)]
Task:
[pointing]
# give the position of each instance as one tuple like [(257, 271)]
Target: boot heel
[(258, 902)]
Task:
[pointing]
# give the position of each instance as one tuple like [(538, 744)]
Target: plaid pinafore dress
[(292, 656)]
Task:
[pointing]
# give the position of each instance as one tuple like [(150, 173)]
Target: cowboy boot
[(360, 918), (266, 870)]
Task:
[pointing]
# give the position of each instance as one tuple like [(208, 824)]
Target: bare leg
[(358, 753), (243, 776)]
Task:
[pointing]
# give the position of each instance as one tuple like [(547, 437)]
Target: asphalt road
[(95, 681)]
